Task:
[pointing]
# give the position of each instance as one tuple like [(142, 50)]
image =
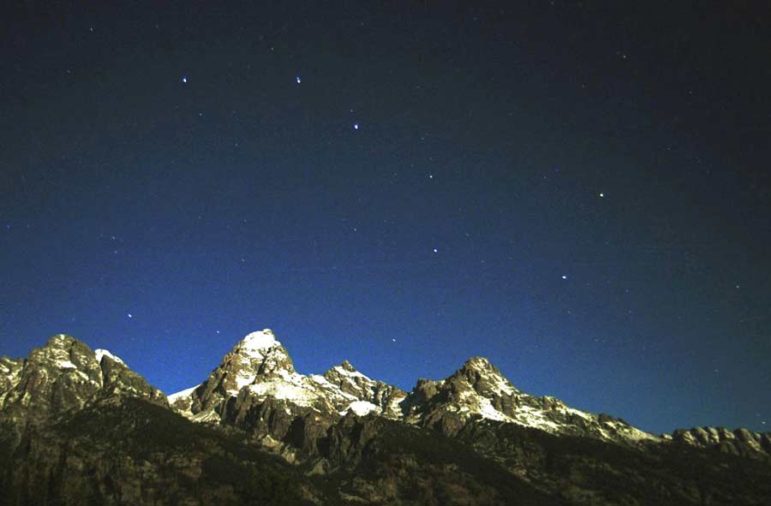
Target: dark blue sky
[(579, 192)]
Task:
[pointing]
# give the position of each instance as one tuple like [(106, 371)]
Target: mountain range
[(78, 426)]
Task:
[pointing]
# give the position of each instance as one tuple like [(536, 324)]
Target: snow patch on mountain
[(291, 387), (349, 372), (181, 394), (64, 363), (101, 353), (485, 408), (257, 342), (532, 417), (361, 408)]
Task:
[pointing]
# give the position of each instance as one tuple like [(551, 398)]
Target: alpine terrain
[(80, 427)]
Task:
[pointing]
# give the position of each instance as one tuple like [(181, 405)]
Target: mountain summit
[(259, 371), (65, 375), (80, 427)]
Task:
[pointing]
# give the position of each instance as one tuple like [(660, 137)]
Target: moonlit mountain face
[(79, 426)]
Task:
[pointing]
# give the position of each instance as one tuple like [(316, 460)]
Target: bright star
[(130, 315), (298, 80), (564, 276), (436, 250), (602, 195), (184, 79), (355, 126)]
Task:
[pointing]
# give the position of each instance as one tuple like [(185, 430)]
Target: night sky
[(578, 191)]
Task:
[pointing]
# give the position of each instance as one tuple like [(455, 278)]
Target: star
[(430, 176), (355, 126), (184, 79), (435, 250), (297, 79), (564, 276), (130, 315), (602, 195)]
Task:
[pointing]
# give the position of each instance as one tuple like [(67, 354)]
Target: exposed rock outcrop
[(65, 375)]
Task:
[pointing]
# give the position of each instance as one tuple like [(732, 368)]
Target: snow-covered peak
[(479, 364), (257, 342), (100, 353)]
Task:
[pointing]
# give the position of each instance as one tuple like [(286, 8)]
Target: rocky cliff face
[(737, 442), (65, 375), (479, 390), (256, 387), (79, 427), (372, 396), (258, 370)]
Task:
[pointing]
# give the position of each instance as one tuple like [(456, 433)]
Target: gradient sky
[(578, 191)]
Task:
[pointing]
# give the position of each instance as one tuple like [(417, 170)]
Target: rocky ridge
[(78, 426), (742, 442), (66, 375), (256, 381)]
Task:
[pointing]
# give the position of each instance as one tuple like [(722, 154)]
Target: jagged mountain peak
[(346, 370), (60, 340), (325, 423), (478, 389), (259, 372), (64, 352), (479, 363), (258, 358), (258, 353), (257, 343), (257, 378), (347, 366), (65, 374), (483, 377), (479, 366)]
